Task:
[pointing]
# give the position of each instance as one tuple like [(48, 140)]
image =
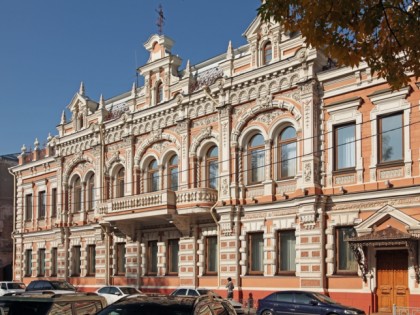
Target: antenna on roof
[(160, 20), (137, 72)]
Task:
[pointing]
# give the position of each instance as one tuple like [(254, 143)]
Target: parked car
[(169, 305), (51, 304), (198, 292), (115, 293), (303, 302), (11, 287), (55, 286)]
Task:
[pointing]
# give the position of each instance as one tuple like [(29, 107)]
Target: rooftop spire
[(63, 118), (82, 89), (101, 102), (187, 69), (229, 53)]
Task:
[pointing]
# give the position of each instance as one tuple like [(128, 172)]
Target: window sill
[(286, 274), (344, 171), (344, 274), (390, 164)]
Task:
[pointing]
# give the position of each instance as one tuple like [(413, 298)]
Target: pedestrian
[(230, 288)]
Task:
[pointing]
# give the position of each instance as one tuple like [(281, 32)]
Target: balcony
[(157, 200), (195, 197), (195, 200)]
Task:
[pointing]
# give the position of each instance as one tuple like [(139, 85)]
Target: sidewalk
[(251, 311)]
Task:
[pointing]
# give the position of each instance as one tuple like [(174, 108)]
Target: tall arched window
[(153, 176), (267, 53), (159, 93), (90, 186), (212, 167), (77, 195), (287, 146), (173, 173), (120, 183), (256, 158)]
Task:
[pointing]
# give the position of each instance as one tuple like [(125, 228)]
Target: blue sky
[(47, 47)]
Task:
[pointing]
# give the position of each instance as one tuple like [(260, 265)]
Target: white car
[(196, 292), (113, 293), (11, 287)]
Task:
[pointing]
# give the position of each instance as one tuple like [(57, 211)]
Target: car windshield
[(19, 308), (146, 309), (128, 290), (324, 298), (16, 286), (62, 285)]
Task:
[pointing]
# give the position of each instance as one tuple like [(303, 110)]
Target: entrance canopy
[(388, 237)]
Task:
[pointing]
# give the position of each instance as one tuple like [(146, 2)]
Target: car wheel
[(267, 312)]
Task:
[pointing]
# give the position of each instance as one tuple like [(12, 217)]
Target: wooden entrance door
[(392, 275)]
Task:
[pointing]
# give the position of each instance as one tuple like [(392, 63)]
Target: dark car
[(302, 302), (49, 303), (169, 305), (56, 286)]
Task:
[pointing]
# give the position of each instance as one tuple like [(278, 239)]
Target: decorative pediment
[(80, 101), (258, 28), (396, 218)]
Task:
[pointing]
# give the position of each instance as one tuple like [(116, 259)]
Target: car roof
[(162, 299), (48, 296)]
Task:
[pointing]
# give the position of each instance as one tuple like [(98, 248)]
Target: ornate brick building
[(264, 164)]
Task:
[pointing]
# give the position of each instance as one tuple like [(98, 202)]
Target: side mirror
[(313, 302), (117, 293)]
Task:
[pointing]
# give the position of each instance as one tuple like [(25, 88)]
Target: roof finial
[(229, 53), (63, 118), (187, 69), (133, 89), (82, 89), (101, 102), (160, 20)]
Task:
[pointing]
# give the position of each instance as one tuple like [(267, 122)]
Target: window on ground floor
[(91, 260), (345, 260), (54, 262), (211, 255), (75, 261), (173, 252), (152, 257), (120, 263), (28, 263), (256, 253), (286, 252), (41, 262)]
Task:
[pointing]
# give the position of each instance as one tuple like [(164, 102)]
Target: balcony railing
[(196, 195), (167, 198), (143, 201)]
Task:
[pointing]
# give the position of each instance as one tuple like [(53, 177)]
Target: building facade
[(6, 215), (265, 164)]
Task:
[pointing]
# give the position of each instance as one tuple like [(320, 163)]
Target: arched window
[(159, 93), (256, 159), (153, 176), (120, 183), (212, 167), (173, 173), (287, 146), (90, 186), (77, 195), (267, 53)]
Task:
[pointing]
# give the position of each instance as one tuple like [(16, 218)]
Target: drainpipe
[(324, 280), (213, 215)]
